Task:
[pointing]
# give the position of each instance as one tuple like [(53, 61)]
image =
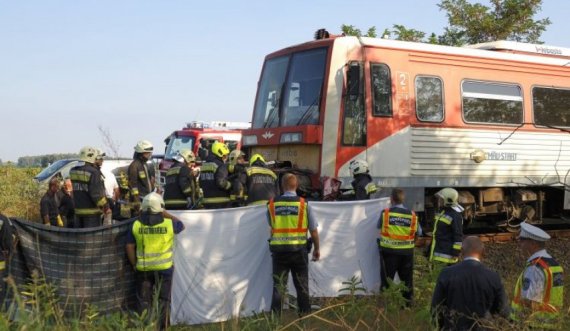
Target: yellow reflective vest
[(398, 230), (545, 313), (154, 245), (289, 224)]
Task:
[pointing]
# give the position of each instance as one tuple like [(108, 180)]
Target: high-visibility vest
[(544, 313), (154, 245), (289, 224), (398, 230)]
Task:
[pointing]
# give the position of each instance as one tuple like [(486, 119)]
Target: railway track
[(500, 237)]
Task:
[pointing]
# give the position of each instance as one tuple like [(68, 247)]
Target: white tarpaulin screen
[(223, 264)]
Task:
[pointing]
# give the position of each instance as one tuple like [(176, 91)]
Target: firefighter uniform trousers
[(397, 235), (288, 246)]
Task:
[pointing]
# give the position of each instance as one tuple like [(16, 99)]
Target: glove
[(59, 221)]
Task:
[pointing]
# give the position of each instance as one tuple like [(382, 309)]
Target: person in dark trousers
[(141, 180), (88, 191), (181, 189), (289, 223), (7, 240), (261, 182), (49, 204), (362, 185), (539, 291), (216, 195), (468, 293), (447, 233), (150, 244), (398, 228)]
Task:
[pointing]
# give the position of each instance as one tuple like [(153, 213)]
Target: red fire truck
[(197, 135), (490, 120)]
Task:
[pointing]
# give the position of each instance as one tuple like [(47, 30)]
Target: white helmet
[(358, 167), (153, 203), (88, 154), (449, 196), (100, 154), (144, 146), (187, 155)]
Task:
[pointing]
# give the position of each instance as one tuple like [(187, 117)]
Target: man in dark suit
[(468, 292)]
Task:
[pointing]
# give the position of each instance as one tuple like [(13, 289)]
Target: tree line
[(43, 160)]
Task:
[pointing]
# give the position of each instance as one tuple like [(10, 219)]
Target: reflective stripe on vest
[(545, 312), (289, 225), (154, 245), (435, 256), (398, 230)]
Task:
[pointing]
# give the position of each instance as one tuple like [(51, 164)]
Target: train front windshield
[(290, 90)]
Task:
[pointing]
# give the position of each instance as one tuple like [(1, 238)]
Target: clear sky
[(142, 69)]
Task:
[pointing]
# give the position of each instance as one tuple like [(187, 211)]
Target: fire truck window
[(354, 124), (266, 112), (302, 93), (178, 143), (381, 90), (429, 99), (495, 103), (551, 106)]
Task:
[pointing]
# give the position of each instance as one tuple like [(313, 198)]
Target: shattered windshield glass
[(178, 143)]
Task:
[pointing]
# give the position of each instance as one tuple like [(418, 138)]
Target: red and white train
[(491, 120)]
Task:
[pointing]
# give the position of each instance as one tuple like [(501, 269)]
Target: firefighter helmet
[(358, 167), (153, 203), (144, 146), (100, 154), (449, 196), (88, 154), (255, 158), (187, 155), (220, 149), (235, 155)]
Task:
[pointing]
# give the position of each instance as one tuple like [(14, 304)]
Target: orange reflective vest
[(398, 230)]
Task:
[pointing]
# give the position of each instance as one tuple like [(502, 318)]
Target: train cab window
[(496, 103), (429, 99), (381, 89), (354, 121), (551, 106)]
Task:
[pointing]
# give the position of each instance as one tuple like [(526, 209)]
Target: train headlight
[(295, 137), (249, 140), (478, 156)]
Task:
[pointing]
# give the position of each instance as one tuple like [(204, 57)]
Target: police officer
[(362, 185), (447, 229), (140, 178), (216, 194), (398, 226), (181, 190), (88, 191), (150, 244), (539, 288), (261, 182), (288, 244)]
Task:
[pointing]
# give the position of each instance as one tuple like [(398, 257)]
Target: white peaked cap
[(533, 232)]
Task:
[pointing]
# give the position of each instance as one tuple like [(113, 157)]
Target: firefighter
[(447, 229), (362, 185), (288, 244), (150, 245), (539, 289), (122, 209), (181, 190), (238, 177), (7, 239), (214, 196), (140, 178), (261, 182), (398, 226), (88, 191)]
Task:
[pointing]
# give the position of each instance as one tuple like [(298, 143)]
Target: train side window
[(429, 99), (550, 106), (381, 89), (495, 103), (354, 121)]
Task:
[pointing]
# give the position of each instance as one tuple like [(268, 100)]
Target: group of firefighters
[(225, 179)]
